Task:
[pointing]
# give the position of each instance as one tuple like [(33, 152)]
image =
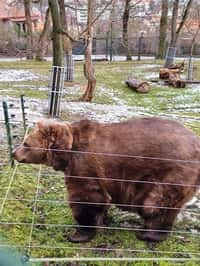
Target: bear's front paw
[(81, 235)]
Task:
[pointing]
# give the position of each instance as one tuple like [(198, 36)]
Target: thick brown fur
[(165, 149)]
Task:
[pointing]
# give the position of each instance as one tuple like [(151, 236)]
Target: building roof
[(15, 12)]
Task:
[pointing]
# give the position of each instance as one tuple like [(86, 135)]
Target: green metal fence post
[(8, 131), (23, 112)]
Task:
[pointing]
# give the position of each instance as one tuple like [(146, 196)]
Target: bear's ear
[(64, 136), (43, 126)]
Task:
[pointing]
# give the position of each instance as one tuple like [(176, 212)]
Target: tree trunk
[(175, 32), (57, 58), (56, 36), (190, 63), (166, 72), (67, 43), (126, 16), (43, 39), (88, 65), (174, 23), (29, 46), (172, 76), (163, 29)]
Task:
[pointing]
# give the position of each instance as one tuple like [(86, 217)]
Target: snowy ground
[(102, 112), (17, 75)]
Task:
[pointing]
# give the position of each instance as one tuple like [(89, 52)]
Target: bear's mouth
[(61, 165), (22, 160)]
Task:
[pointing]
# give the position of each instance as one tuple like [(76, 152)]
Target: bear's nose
[(13, 153)]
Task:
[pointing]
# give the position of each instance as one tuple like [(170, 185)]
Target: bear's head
[(48, 143)]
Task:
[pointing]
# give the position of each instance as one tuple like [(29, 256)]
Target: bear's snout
[(17, 154)]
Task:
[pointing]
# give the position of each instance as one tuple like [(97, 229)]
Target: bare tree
[(56, 36), (88, 65), (67, 44), (29, 47), (163, 29), (88, 35), (125, 20), (127, 14), (193, 27), (44, 36), (175, 31)]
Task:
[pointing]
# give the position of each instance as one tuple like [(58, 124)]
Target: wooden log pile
[(138, 85), (172, 76)]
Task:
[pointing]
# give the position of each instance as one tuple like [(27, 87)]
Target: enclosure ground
[(35, 215)]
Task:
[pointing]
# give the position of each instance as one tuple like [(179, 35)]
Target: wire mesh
[(31, 246), (34, 207)]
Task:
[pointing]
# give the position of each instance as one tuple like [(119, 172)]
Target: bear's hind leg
[(163, 203), (158, 227)]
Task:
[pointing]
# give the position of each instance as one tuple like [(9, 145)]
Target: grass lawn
[(35, 216)]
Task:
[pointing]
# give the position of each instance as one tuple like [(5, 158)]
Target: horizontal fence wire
[(84, 259), (186, 252), (103, 204), (118, 228), (124, 180), (113, 155), (33, 224)]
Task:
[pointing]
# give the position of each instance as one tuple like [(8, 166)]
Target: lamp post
[(140, 45)]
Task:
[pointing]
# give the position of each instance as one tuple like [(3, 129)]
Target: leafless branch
[(185, 15), (73, 39), (74, 8), (135, 4), (97, 17), (66, 33)]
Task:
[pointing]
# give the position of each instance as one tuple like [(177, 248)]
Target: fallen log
[(166, 83), (166, 72), (172, 76), (179, 66), (175, 81), (138, 85)]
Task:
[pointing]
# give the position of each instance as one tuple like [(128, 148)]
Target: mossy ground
[(51, 208)]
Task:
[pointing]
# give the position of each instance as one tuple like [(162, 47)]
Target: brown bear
[(145, 165)]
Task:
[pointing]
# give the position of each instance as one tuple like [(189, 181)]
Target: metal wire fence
[(27, 207), (30, 247)]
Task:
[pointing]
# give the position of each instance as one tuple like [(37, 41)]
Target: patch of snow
[(195, 88), (151, 75), (192, 201), (17, 75), (73, 90), (103, 112), (148, 66), (183, 216), (112, 93), (34, 111)]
